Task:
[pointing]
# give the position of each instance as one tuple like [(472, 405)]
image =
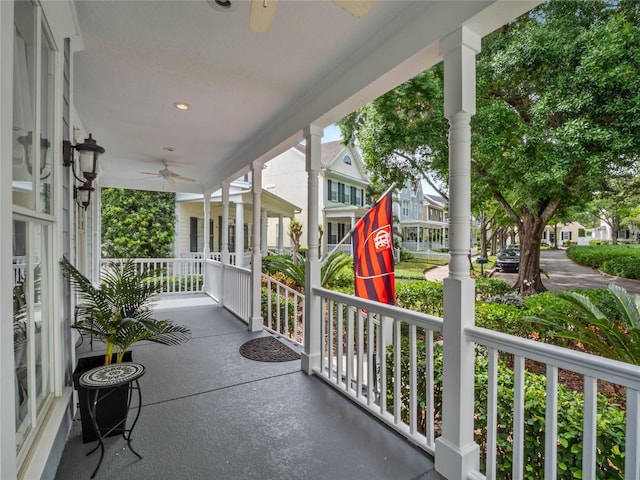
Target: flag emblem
[(372, 240)]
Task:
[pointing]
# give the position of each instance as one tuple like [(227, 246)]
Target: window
[(566, 236), (347, 194), (347, 160), (333, 191), (35, 62), (193, 234), (405, 208), (358, 197)]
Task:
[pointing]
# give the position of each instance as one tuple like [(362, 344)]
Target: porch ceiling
[(250, 94)]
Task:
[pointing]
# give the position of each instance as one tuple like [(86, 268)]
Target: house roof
[(436, 200), (251, 95)]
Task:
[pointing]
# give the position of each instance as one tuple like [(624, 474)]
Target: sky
[(331, 134)]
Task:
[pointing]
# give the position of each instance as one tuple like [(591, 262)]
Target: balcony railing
[(170, 275), (592, 369), (377, 354)]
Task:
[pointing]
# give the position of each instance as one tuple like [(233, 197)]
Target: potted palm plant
[(117, 313)]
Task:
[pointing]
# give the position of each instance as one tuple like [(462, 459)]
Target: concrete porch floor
[(210, 413)]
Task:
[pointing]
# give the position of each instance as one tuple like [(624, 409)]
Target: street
[(561, 273)]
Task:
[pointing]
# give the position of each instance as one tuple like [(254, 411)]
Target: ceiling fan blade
[(184, 179), (261, 15), (357, 8), (149, 173), (170, 179)]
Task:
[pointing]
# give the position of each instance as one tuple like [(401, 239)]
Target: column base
[(255, 324), (309, 363), (456, 463)]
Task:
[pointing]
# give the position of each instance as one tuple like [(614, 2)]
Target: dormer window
[(347, 160)]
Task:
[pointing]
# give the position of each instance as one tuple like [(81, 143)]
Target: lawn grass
[(414, 268)]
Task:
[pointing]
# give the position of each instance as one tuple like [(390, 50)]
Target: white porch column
[(255, 322), (312, 320), (224, 238), (207, 217), (205, 246), (224, 227), (325, 235), (456, 452), (239, 232), (264, 226), (280, 235)]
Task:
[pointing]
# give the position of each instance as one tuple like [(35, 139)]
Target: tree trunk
[(483, 234), (529, 277), (615, 229)]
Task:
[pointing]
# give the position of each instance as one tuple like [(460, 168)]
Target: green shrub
[(491, 287), (619, 260), (421, 296), (270, 263), (287, 311), (405, 256)]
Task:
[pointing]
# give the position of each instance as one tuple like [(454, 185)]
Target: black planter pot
[(110, 411)]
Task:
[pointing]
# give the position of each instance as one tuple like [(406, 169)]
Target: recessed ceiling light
[(182, 106)]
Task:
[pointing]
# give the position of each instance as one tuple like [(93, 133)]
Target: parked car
[(508, 260)]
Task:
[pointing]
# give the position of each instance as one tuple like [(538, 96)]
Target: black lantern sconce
[(82, 194), (27, 144), (88, 154)]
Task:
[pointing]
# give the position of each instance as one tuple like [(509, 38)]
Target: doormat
[(267, 349)]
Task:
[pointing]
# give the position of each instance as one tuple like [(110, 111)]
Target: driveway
[(562, 273)]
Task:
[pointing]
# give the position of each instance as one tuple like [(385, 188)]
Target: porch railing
[(170, 275), (591, 368), (283, 310), (382, 357)]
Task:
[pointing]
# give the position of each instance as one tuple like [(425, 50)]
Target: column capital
[(313, 130), (462, 37), (459, 51), (313, 135)]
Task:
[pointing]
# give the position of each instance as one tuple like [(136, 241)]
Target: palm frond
[(626, 306)]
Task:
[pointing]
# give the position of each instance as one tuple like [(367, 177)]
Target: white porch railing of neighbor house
[(283, 310), (170, 275), (212, 256), (592, 369), (375, 353), (344, 248)]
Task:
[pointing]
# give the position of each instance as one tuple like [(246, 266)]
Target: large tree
[(558, 97), (137, 224)]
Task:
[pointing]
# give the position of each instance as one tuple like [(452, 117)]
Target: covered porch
[(208, 412)]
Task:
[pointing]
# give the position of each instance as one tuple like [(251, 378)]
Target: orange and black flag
[(372, 241)]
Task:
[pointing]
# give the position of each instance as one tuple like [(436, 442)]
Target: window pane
[(24, 79), (21, 334), (41, 313), (46, 122)]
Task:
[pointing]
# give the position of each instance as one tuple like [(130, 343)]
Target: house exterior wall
[(38, 225), (286, 176), (567, 232)]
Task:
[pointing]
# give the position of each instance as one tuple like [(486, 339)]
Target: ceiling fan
[(263, 11), (169, 175)]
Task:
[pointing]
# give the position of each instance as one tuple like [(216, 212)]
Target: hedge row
[(618, 260)]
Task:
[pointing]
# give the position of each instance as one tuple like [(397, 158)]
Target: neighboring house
[(342, 190), (631, 234), (190, 228), (422, 219), (565, 233)]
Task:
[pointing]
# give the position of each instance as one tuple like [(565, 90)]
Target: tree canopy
[(137, 224), (558, 109)]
